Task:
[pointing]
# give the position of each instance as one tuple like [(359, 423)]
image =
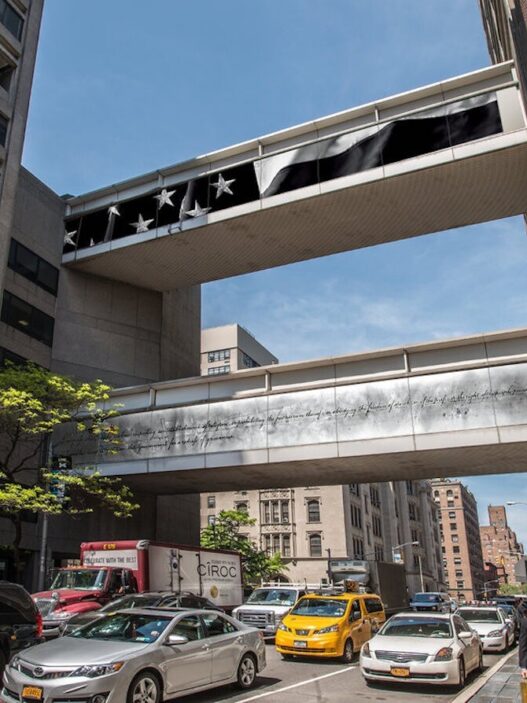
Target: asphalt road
[(312, 681)]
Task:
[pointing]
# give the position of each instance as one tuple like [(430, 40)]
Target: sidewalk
[(501, 684)]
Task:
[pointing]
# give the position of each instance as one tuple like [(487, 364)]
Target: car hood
[(422, 645), (483, 628), (66, 596), (309, 622), (72, 651)]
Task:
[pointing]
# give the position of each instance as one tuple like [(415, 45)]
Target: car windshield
[(417, 627), (79, 579), (124, 627), (134, 601), (426, 598), (320, 607), (273, 596), (475, 615)]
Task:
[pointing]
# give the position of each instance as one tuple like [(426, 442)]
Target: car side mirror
[(176, 640), (465, 635)]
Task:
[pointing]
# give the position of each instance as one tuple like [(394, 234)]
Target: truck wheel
[(145, 688), (247, 671), (347, 654)]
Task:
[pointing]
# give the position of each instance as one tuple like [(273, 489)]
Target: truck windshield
[(79, 580), (273, 596)]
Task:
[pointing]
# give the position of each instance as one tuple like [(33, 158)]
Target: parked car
[(136, 600), (435, 648), (139, 654), (512, 617), (490, 623), (329, 626), (435, 602), (266, 606), (20, 621)]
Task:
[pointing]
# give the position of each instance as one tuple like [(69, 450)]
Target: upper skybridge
[(443, 156)]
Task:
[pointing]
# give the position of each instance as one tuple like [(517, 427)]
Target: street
[(312, 681)]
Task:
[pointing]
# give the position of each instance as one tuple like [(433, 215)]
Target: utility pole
[(44, 525)]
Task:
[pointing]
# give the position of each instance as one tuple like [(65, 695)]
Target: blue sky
[(124, 87)]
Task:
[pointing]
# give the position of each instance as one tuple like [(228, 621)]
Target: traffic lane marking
[(296, 685)]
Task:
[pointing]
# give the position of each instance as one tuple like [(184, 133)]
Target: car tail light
[(39, 624)]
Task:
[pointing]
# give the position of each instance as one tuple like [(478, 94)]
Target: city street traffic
[(315, 681)]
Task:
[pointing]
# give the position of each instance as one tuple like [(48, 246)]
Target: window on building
[(375, 497), (456, 550), (3, 130), (415, 535), (436, 494), (313, 511), (211, 519), (454, 538), (6, 355), (285, 511), (376, 526), (276, 544), (218, 355), (379, 553), (452, 515), (218, 370), (266, 512), (242, 507), (411, 511), (211, 501), (6, 74), (453, 525), (459, 574), (410, 488), (267, 544), (416, 561), (356, 516), (11, 20), (315, 545), (457, 560), (460, 584), (33, 267), (450, 503), (368, 534), (248, 361), (449, 493), (275, 511), (286, 545), (358, 548), (26, 318), (355, 488)]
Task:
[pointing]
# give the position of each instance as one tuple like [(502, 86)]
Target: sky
[(125, 87)]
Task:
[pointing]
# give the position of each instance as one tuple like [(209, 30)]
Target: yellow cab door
[(374, 613), (358, 625)]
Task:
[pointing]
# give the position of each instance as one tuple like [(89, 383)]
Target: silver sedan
[(138, 656)]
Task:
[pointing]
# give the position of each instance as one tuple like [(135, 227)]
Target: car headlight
[(283, 627), (366, 649), (94, 670), (15, 663), (444, 655), (325, 630), (496, 633)]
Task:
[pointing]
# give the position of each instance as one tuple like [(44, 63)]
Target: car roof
[(480, 607), (158, 610), (342, 596), (428, 614)]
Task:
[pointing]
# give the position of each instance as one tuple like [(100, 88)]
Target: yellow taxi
[(329, 626)]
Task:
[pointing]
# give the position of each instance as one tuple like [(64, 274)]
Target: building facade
[(231, 348), (500, 545), (460, 540)]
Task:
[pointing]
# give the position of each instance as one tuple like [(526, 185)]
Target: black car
[(20, 621), (164, 599)]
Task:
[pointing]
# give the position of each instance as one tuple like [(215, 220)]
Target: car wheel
[(461, 677), (247, 671), (145, 688), (347, 654)]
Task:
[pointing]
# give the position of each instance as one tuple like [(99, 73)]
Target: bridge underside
[(458, 461)]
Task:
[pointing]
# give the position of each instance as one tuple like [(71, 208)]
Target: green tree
[(513, 589), (33, 404), (225, 534)]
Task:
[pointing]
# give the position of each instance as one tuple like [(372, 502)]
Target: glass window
[(286, 545), (315, 545), (189, 627), (211, 501), (407, 626), (125, 627), (242, 507), (373, 605), (11, 20), (6, 74), (273, 596), (6, 355), (285, 511), (33, 267), (211, 519), (3, 130), (26, 318), (320, 607), (216, 625), (313, 511)]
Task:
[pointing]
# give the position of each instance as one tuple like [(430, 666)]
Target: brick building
[(500, 544)]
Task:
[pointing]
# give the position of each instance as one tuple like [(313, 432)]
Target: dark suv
[(20, 621)]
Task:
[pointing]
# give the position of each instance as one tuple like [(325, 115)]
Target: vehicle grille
[(401, 657), (45, 605), (11, 694), (423, 677), (299, 650), (46, 676), (256, 619), (302, 632)]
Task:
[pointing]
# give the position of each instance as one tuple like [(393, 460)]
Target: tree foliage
[(225, 534), (513, 589), (33, 403)]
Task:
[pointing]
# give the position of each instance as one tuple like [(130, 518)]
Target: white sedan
[(490, 622), (435, 648)]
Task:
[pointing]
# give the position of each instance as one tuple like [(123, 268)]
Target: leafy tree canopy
[(513, 589), (225, 534)]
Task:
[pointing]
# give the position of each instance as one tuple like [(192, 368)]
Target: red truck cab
[(80, 589)]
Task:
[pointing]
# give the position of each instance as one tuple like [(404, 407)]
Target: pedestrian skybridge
[(448, 408), (443, 156)]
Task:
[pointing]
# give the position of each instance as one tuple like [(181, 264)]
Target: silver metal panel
[(306, 417), (237, 424), (374, 410), (458, 400), (509, 386)]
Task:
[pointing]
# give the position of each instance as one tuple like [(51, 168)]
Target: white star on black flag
[(198, 211), (165, 197), (68, 238), (141, 225), (113, 210), (223, 186)]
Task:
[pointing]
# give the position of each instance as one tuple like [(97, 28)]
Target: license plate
[(300, 644), (399, 671), (33, 692)]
